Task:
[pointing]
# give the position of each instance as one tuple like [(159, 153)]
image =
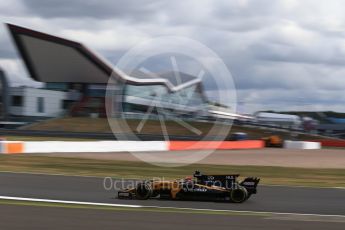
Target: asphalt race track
[(27, 217), (269, 198), (277, 199)]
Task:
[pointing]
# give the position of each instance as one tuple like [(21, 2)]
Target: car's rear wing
[(250, 183)]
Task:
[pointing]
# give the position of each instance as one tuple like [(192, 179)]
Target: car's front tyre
[(143, 191)]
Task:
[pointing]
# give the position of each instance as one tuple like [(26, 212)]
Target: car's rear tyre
[(239, 194), (143, 191)]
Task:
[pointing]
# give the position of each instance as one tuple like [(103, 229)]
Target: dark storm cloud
[(96, 9), (6, 46), (286, 51), (281, 53)]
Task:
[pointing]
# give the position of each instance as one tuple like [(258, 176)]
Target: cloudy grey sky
[(283, 54)]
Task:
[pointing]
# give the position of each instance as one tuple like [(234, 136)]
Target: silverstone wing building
[(69, 66)]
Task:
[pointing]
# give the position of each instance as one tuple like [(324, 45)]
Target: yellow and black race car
[(201, 187)]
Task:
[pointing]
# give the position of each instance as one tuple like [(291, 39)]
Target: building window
[(66, 104), (40, 104), (17, 101)]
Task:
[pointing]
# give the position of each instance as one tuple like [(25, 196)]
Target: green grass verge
[(101, 125), (140, 170)]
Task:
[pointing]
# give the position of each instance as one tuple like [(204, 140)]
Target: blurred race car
[(198, 187)]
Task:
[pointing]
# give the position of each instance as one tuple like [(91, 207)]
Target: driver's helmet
[(197, 173)]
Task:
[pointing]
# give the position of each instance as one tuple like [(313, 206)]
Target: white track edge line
[(67, 202)]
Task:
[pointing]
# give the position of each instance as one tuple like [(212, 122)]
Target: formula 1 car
[(201, 187)]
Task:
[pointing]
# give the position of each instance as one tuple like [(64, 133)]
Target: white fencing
[(95, 146), (113, 146), (301, 145)]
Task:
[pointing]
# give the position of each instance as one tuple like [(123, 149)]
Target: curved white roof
[(53, 59)]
